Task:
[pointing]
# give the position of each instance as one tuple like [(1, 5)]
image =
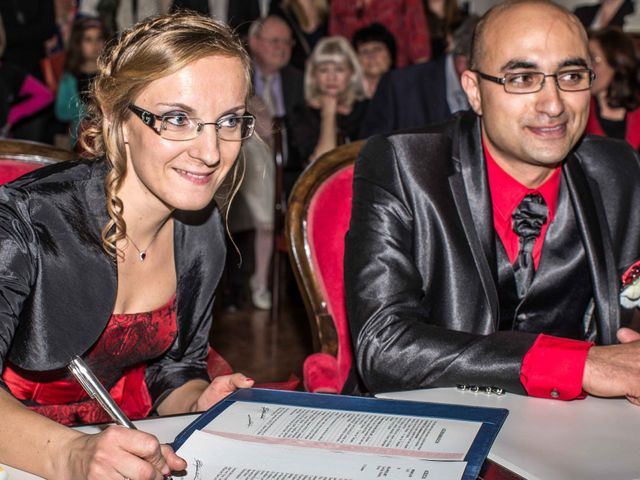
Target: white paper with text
[(211, 457), (383, 434)]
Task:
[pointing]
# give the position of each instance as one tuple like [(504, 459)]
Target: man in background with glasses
[(500, 251)]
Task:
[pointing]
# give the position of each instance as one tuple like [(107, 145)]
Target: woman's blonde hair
[(321, 6), (149, 50), (334, 50)]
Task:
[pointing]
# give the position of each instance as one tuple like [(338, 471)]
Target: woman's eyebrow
[(190, 111), (234, 110), (178, 105)]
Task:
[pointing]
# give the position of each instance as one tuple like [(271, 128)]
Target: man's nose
[(550, 98)]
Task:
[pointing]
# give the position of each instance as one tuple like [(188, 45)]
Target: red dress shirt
[(553, 367), (405, 19)]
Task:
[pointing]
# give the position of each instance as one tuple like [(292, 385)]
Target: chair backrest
[(18, 157), (317, 221)]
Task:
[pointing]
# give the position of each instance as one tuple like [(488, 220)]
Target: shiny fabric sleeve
[(200, 256), (400, 343), (17, 266), (173, 369)]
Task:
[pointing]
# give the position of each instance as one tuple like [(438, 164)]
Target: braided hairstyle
[(149, 50)]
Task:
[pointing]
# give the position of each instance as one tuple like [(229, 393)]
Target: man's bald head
[(492, 18)]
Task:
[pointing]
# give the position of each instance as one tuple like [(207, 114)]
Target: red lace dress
[(118, 359)]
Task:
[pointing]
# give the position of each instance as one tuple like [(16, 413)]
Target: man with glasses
[(499, 250), (278, 84)]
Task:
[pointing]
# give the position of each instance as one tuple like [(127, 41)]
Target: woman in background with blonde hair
[(335, 99), (308, 22), (116, 258)]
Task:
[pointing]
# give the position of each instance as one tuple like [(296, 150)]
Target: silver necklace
[(142, 253)]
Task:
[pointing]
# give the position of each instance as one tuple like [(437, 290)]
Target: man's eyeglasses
[(275, 41), (181, 127), (530, 82)]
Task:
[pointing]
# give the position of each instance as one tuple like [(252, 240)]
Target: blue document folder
[(491, 418)]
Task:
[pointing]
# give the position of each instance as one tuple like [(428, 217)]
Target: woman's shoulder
[(57, 178)]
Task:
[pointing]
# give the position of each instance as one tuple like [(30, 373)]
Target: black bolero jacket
[(58, 286), (420, 257)]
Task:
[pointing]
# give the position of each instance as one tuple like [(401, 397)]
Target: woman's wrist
[(66, 450)]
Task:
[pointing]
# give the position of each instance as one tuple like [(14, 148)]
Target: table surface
[(590, 439), (541, 439)]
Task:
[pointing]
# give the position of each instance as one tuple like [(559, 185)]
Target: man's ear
[(471, 86)]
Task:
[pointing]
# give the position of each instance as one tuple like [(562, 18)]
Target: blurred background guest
[(129, 12), (117, 15), (405, 19), (238, 14), (421, 94), (308, 22), (277, 87), (21, 94), (605, 13), (376, 50), (278, 84), (615, 103), (65, 13), (85, 45), (29, 26), (443, 17), (251, 218), (335, 99)]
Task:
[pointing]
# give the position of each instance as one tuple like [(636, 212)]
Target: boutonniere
[(630, 292)]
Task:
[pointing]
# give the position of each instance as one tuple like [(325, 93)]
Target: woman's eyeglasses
[(182, 127)]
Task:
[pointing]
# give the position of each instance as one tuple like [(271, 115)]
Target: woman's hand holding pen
[(119, 453)]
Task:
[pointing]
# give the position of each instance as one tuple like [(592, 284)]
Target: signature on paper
[(198, 466)]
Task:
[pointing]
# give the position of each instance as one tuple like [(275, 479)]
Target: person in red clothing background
[(615, 105), (405, 19), (499, 249)]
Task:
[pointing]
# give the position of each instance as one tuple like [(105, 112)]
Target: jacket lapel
[(470, 190), (589, 212)]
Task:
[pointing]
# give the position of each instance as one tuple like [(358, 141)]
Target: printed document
[(269, 441)]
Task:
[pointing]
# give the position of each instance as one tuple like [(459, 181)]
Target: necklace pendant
[(143, 255)]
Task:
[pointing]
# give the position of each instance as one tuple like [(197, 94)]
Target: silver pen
[(96, 390)]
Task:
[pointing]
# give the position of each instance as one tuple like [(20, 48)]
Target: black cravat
[(528, 219)]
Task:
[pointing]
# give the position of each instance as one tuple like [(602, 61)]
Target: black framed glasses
[(182, 127), (275, 41), (576, 80)]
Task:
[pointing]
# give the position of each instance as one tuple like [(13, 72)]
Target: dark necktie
[(528, 219)]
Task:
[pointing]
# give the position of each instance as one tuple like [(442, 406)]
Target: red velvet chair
[(18, 157), (317, 220)]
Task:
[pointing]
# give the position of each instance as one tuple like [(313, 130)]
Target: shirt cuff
[(553, 368)]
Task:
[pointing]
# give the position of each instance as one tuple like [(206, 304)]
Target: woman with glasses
[(116, 258), (615, 105)]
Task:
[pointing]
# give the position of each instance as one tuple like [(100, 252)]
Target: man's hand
[(614, 370)]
